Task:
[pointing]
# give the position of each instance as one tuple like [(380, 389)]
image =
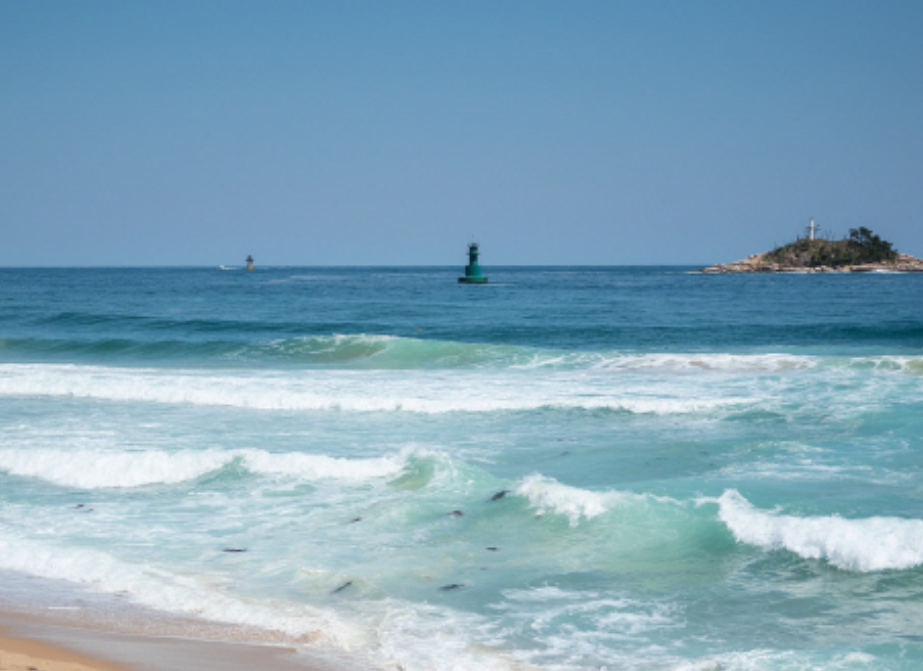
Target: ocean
[(570, 468)]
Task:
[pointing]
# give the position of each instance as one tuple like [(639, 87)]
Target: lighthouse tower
[(473, 270), (812, 230), (249, 262)]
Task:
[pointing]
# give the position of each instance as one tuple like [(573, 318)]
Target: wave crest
[(548, 495), (870, 544), (92, 469), (425, 392)]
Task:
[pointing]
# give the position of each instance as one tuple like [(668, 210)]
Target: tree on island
[(874, 248), (861, 247)]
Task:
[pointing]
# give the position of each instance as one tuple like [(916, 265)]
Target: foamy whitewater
[(566, 469)]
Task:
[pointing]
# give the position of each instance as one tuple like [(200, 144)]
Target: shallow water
[(697, 472)]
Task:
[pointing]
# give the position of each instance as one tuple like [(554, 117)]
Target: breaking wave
[(548, 496), (427, 392), (385, 352), (870, 544), (174, 593), (90, 469)]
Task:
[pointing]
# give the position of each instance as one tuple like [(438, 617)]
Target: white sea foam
[(628, 616), (425, 392), (797, 461), (694, 362), (90, 469), (912, 365), (156, 588), (407, 636), (787, 660), (94, 469), (548, 495), (733, 364), (808, 470), (319, 466), (869, 544), (574, 626), (424, 637)]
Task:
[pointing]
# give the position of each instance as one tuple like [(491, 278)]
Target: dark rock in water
[(492, 549), (342, 587), (234, 550), (499, 495), (358, 519), (449, 588), (80, 505), (456, 513)]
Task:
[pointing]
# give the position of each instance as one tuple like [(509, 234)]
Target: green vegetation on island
[(862, 251), (860, 248)]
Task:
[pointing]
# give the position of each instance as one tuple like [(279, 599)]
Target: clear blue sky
[(391, 132)]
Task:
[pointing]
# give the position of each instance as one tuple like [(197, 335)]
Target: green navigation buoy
[(473, 270)]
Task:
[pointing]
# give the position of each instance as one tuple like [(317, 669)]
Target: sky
[(348, 132)]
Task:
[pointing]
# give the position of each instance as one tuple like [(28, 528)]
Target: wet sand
[(20, 654), (28, 644)]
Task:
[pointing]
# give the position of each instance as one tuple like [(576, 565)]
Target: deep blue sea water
[(569, 468)]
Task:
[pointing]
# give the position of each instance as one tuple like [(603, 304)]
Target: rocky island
[(861, 252)]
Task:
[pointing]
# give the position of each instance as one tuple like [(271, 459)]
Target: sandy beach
[(19, 654), (29, 644)]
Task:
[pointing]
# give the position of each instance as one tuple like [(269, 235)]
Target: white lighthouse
[(811, 229)]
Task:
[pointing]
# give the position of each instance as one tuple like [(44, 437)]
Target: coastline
[(47, 626), (31, 644), (757, 263), (23, 654)]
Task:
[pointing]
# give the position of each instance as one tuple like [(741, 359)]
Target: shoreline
[(50, 625), (28, 643), (22, 654), (757, 263)]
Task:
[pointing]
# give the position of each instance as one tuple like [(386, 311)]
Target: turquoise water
[(568, 468)]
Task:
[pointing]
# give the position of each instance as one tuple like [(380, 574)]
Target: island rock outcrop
[(861, 252), (758, 263)]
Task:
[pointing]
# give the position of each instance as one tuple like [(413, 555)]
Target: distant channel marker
[(473, 273)]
